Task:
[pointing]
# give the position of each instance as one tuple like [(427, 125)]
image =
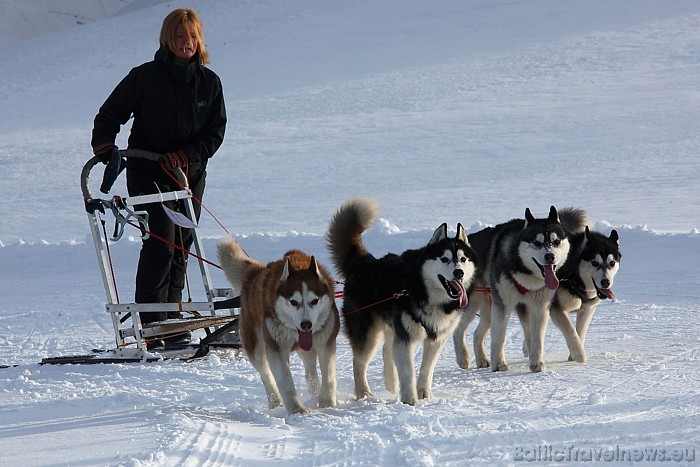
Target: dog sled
[(217, 314)]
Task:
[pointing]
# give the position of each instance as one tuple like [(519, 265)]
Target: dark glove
[(173, 160), (104, 152), (112, 171)]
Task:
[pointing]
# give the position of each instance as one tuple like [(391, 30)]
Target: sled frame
[(125, 317)]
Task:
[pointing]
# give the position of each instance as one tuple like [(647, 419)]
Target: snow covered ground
[(445, 111), (23, 20)]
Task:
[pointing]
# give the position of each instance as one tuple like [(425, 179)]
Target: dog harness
[(521, 288)]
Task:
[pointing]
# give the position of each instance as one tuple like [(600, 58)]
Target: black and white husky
[(586, 280), (521, 258), (402, 300)]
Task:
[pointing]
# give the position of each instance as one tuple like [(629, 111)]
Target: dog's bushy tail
[(574, 220), (234, 261), (344, 239)]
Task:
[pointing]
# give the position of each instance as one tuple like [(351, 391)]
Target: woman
[(179, 114)]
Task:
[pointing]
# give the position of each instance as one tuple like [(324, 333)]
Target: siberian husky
[(287, 305), (521, 258), (403, 300), (586, 280)]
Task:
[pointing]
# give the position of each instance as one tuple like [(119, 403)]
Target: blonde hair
[(190, 21)]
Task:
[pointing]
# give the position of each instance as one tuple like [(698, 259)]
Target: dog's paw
[(500, 366), (391, 381), (328, 400), (537, 367), (300, 409), (463, 360), (526, 349), (425, 393), (411, 400), (363, 394), (462, 356), (580, 358), (577, 354), (273, 401), (409, 395), (483, 363), (324, 403)]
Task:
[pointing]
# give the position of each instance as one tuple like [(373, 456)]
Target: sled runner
[(217, 315)]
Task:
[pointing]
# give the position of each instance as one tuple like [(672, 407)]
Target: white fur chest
[(282, 334), (568, 301), (435, 319)]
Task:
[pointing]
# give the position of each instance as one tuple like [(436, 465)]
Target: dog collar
[(579, 289), (586, 293), (521, 288)]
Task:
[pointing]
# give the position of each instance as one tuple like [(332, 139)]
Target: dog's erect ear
[(528, 217), (553, 214), (285, 271), (614, 237), (313, 266), (461, 234), (439, 234), (586, 236)]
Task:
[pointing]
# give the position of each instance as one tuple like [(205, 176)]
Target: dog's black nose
[(306, 325), (549, 258), (458, 274), (605, 283)]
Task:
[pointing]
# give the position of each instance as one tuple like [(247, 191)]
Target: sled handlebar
[(85, 177), (123, 153)]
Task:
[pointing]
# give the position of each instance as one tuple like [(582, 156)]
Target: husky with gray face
[(402, 300), (521, 258), (586, 279)]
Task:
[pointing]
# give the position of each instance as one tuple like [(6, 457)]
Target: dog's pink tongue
[(608, 293), (550, 277), (306, 339), (463, 300)]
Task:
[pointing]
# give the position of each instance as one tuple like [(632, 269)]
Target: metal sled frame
[(125, 317)]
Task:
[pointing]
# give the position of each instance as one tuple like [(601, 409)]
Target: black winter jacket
[(174, 107)]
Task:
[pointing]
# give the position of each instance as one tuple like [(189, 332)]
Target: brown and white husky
[(287, 305)]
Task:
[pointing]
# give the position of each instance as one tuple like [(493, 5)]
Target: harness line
[(168, 242), (187, 188), (394, 296)]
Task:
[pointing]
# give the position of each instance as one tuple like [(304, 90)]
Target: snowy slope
[(23, 20), (445, 111)]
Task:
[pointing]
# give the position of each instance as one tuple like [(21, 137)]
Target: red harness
[(521, 288)]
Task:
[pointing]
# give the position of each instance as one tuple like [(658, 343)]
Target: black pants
[(160, 276)]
